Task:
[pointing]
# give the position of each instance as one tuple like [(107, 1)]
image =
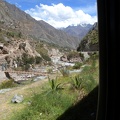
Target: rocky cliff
[(90, 42)]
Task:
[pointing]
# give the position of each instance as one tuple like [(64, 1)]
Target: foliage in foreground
[(46, 106), (52, 102), (7, 84), (54, 85)]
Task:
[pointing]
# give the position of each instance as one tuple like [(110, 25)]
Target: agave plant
[(77, 82), (64, 72), (54, 85)]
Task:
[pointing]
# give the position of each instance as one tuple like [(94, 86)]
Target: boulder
[(17, 99)]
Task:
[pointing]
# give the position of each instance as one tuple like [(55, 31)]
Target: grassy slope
[(43, 103)]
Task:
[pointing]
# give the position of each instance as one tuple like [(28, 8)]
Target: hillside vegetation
[(90, 42), (57, 94)]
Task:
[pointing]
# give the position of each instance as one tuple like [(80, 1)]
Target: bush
[(7, 84), (14, 34), (77, 65), (27, 59), (81, 56), (46, 57), (26, 67), (38, 60), (72, 54)]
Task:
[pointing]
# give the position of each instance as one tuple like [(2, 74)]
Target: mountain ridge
[(78, 31), (14, 19)]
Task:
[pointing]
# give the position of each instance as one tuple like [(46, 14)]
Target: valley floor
[(28, 90)]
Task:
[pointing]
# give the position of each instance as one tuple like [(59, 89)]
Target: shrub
[(38, 60), (72, 54), (11, 34), (81, 56), (26, 67), (7, 84), (27, 59), (46, 57), (77, 65)]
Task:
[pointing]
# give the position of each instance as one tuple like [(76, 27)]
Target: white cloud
[(59, 15)]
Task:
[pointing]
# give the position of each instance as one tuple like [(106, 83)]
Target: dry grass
[(7, 108)]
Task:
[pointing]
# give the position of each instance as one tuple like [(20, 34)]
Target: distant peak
[(83, 24)]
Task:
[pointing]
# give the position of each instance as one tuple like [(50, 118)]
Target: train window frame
[(108, 29)]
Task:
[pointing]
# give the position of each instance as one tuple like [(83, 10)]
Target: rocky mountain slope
[(78, 31), (25, 41), (16, 21), (90, 41)]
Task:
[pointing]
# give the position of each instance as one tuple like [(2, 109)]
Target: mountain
[(78, 31), (90, 41), (16, 21)]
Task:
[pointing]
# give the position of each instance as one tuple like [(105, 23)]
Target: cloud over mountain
[(59, 15)]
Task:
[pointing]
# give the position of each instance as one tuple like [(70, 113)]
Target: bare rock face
[(11, 53)]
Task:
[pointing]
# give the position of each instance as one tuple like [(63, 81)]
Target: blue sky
[(60, 13)]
